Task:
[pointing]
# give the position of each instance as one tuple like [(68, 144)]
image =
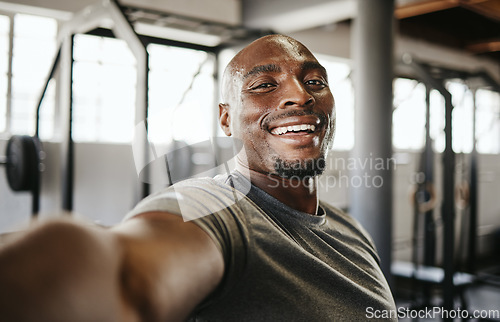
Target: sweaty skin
[(272, 84)]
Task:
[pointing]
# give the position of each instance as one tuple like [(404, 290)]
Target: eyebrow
[(308, 65), (269, 68)]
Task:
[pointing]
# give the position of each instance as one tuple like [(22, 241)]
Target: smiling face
[(277, 101)]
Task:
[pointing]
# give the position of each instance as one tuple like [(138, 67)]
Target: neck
[(301, 195)]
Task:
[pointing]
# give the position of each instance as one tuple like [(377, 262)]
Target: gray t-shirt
[(280, 264)]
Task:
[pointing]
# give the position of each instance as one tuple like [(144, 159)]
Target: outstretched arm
[(154, 267)]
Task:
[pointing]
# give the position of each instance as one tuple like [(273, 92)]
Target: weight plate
[(23, 162)]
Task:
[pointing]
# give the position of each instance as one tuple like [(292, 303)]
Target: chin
[(299, 168)]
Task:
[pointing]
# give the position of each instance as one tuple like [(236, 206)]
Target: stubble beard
[(307, 168), (299, 169)]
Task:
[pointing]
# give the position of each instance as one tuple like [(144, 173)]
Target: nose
[(295, 94)]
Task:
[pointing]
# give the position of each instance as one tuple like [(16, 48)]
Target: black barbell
[(23, 165), (23, 162)]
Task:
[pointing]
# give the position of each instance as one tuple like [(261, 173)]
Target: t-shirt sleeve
[(214, 207)]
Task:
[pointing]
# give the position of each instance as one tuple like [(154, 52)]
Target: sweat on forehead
[(251, 56)]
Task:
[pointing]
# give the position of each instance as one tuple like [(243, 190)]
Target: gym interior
[(96, 95)]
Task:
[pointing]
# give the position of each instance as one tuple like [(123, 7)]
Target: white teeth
[(293, 128)]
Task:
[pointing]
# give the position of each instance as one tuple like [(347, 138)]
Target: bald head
[(254, 55)]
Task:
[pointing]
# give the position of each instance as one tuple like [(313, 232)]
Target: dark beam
[(487, 8), (483, 47), (418, 8)]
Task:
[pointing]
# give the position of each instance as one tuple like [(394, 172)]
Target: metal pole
[(67, 146), (124, 30), (371, 185), (473, 204), (448, 209), (448, 205), (90, 18), (37, 181), (429, 225), (55, 64)]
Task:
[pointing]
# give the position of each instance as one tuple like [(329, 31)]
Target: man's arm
[(154, 267)]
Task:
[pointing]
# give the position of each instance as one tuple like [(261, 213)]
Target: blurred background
[(102, 103)]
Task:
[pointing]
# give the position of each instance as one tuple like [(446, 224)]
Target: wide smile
[(295, 129), (295, 125)]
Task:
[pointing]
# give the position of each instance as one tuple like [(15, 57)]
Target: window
[(31, 34), (181, 94), (461, 117), (4, 69), (488, 121), (181, 86), (408, 118), (437, 120), (341, 87), (104, 80)]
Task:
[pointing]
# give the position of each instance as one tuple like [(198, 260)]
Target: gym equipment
[(23, 166), (424, 201), (466, 194), (24, 155), (108, 18)]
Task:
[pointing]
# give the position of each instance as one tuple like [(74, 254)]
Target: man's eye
[(264, 86), (315, 82)]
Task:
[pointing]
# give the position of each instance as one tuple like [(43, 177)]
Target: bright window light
[(461, 117), (409, 117), (4, 62), (104, 79), (341, 87), (181, 86), (181, 95), (488, 121), (437, 120), (408, 129), (32, 34)]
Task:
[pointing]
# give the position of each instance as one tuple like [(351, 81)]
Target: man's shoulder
[(208, 184), (199, 181), (192, 198)]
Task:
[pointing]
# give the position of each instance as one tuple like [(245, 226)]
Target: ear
[(225, 119)]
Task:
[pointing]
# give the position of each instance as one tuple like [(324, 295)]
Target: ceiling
[(470, 25)]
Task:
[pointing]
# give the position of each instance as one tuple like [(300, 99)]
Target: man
[(267, 250)]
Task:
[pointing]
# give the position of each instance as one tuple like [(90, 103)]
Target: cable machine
[(452, 282), (106, 18)]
